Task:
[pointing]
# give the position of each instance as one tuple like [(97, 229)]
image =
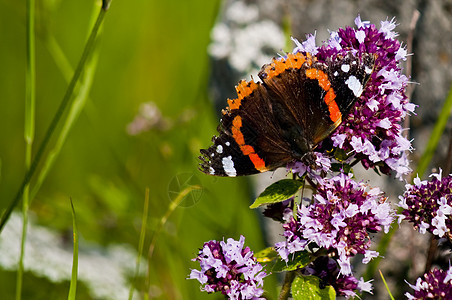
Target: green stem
[(68, 95), (285, 290), (74, 275), (144, 219), (29, 129)]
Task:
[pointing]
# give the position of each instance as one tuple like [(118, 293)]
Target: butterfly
[(282, 118)]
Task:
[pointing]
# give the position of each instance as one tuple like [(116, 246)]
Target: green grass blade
[(73, 286), (56, 119), (386, 285), (20, 269), (144, 219), (29, 129), (30, 75), (422, 167)]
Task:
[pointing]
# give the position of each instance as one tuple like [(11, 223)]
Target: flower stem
[(285, 290), (432, 251)]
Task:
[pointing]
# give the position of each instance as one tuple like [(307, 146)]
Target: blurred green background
[(149, 51)]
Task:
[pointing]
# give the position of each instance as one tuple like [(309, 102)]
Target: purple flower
[(436, 284), (343, 214), (321, 163), (372, 132), (428, 205), (230, 269)]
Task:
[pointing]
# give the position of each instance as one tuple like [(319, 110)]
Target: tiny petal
[(344, 265), (361, 24), (360, 36), (401, 54), (423, 227), (200, 276), (357, 144), (373, 104), (338, 140), (365, 286), (369, 255), (417, 181), (306, 46), (385, 123), (335, 40), (387, 28)]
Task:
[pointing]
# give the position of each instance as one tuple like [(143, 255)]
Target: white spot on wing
[(228, 144), (354, 84), (345, 68), (335, 73), (211, 171), (367, 70), (228, 166), (219, 149)]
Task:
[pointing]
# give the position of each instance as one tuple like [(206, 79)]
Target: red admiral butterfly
[(299, 102)]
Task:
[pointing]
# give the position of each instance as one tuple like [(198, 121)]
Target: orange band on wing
[(324, 82), (292, 61), (248, 150), (335, 113), (236, 133), (258, 162), (243, 89), (330, 96)]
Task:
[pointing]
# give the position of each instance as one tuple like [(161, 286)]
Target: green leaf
[(338, 167), (266, 255), (278, 192), (307, 288), (340, 154), (299, 260)]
